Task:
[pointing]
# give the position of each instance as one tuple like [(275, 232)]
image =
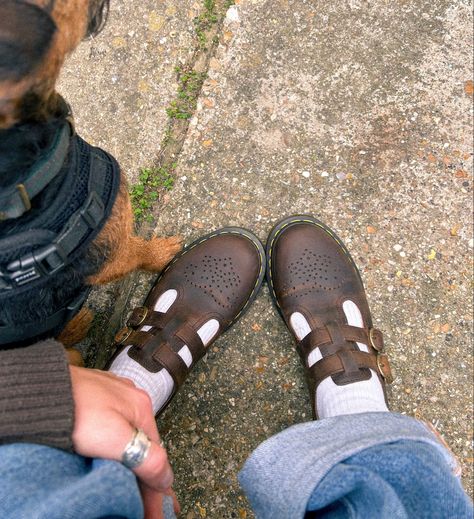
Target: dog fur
[(35, 38)]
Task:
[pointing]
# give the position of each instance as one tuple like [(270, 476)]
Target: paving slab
[(120, 82), (360, 114)]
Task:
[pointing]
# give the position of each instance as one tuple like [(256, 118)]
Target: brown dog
[(35, 37)]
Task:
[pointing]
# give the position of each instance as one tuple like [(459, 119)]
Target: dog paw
[(74, 357), (162, 251), (77, 328)]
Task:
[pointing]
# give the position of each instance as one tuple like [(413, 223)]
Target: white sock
[(159, 385), (332, 400)]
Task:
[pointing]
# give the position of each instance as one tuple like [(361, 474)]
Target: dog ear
[(26, 34), (98, 13)]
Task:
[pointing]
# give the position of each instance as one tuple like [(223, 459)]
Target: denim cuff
[(281, 474)]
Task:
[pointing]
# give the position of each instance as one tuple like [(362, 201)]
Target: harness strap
[(16, 200), (10, 334), (46, 252), (51, 258)]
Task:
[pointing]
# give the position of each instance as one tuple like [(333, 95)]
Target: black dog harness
[(40, 244)]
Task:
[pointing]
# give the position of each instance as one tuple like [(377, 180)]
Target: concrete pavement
[(359, 113)]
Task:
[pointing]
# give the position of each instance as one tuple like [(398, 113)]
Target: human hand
[(108, 409)]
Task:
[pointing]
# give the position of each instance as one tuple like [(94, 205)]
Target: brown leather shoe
[(216, 277), (309, 270)]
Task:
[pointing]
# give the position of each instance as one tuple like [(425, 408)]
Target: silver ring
[(136, 450)]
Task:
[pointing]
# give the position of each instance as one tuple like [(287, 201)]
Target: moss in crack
[(154, 180), (190, 83), (204, 21), (168, 137), (143, 194)]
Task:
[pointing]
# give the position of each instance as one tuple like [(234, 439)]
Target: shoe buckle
[(122, 335), (383, 366), (137, 316), (376, 339)]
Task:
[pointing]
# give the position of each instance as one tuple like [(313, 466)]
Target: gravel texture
[(358, 113), (120, 82)]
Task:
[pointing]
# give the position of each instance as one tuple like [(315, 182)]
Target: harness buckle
[(35, 265)]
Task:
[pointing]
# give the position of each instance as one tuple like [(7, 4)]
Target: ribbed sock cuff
[(36, 404)]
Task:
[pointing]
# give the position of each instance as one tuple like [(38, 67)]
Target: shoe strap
[(340, 355), (158, 347), (337, 334), (349, 362)]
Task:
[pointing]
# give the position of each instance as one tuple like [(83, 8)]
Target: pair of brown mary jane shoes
[(308, 270)]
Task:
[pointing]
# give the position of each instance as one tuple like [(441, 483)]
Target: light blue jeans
[(367, 466), (374, 465)]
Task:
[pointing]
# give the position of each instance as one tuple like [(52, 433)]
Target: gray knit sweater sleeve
[(36, 404)]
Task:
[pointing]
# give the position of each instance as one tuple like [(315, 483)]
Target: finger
[(152, 503), (176, 505), (155, 471), (145, 421)]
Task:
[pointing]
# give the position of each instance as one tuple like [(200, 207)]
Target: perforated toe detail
[(312, 272), (217, 277)]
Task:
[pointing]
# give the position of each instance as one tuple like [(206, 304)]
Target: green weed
[(146, 191), (204, 21), (184, 105)]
